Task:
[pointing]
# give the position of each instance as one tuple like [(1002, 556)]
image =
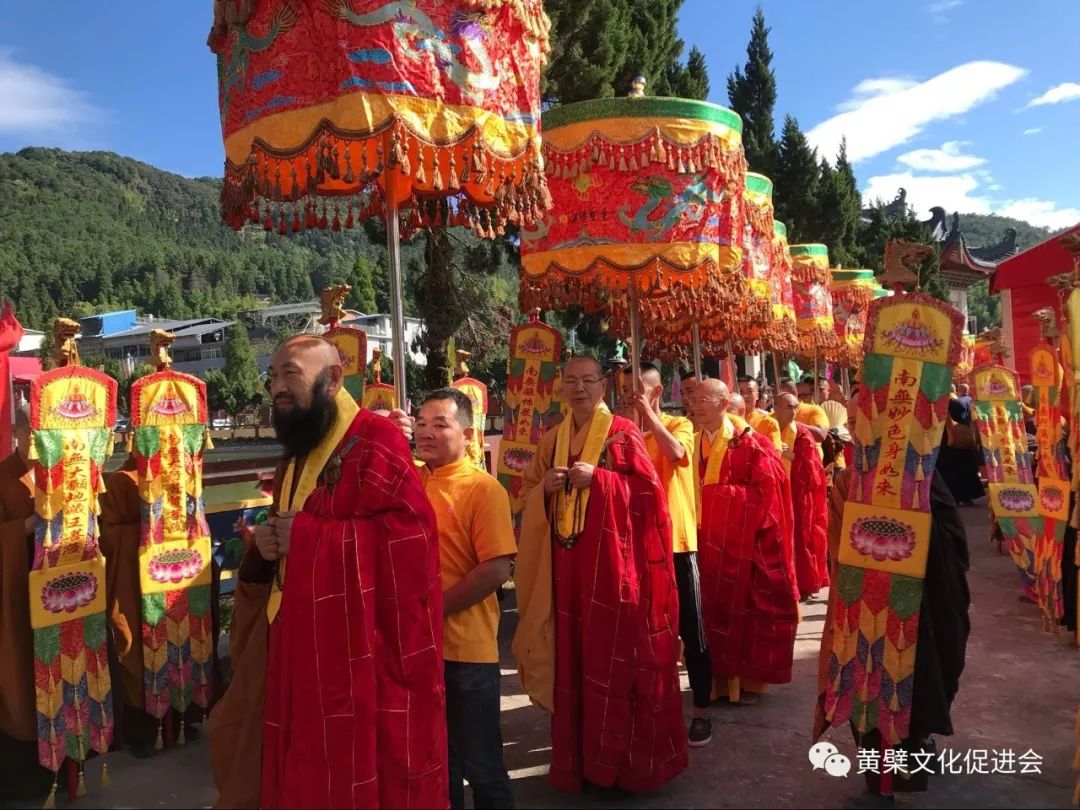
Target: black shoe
[(700, 732)]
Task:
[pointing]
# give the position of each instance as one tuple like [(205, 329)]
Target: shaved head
[(710, 403), (713, 388), (737, 405), (313, 348), (305, 376), (786, 405)]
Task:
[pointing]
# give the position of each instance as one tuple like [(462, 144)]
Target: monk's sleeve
[(683, 433), (771, 483), (17, 712), (533, 645)]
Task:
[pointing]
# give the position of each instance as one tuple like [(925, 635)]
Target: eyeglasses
[(584, 382)]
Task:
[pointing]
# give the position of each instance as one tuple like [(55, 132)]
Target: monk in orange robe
[(809, 498), (21, 776), (748, 591), (338, 695), (758, 419), (597, 637)]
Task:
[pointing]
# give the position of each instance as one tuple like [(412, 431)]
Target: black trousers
[(691, 631), (474, 736)]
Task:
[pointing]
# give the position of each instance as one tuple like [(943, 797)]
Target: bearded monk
[(748, 591), (809, 499), (760, 421), (598, 611), (337, 698), (21, 776)]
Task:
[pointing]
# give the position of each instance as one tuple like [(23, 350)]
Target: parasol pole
[(635, 337), (731, 366), (846, 382), (397, 309), (776, 372), (817, 388), (695, 342)]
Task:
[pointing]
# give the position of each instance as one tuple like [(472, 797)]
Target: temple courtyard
[(1019, 694)]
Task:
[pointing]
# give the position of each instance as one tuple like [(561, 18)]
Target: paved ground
[(1019, 692)]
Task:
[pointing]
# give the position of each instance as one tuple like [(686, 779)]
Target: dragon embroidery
[(689, 206)]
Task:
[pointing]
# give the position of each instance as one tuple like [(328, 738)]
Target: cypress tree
[(691, 80), (796, 184), (752, 94), (590, 44)]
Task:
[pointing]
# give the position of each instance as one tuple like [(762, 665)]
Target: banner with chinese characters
[(352, 349), (532, 371), (911, 344), (168, 419), (1053, 475), (72, 414), (1013, 494), (477, 393)]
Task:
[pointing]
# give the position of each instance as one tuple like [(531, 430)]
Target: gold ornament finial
[(160, 341), (65, 349), (376, 365), (462, 369), (902, 260), (332, 299), (637, 87), (1047, 323)]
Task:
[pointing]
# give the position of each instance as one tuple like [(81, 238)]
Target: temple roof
[(961, 265)]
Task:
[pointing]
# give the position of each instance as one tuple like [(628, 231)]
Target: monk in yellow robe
[(596, 642), (758, 419)]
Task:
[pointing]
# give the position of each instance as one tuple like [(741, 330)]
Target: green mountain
[(988, 229), (84, 231)]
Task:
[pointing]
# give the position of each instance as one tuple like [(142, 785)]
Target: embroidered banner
[(168, 419), (477, 393), (911, 344), (1053, 477), (72, 414), (352, 349), (532, 375), (1013, 494), (813, 302)]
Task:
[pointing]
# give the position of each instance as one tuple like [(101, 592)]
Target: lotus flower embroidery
[(882, 538)]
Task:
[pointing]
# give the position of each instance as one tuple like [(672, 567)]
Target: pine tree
[(590, 41), (796, 184), (851, 204), (752, 94), (241, 371), (362, 281), (692, 80), (655, 47)]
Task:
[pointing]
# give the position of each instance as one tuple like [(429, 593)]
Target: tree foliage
[(797, 181), (752, 94), (239, 385)]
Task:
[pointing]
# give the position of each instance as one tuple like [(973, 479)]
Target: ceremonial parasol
[(647, 221), (334, 110), (851, 291), (814, 323), (750, 325)]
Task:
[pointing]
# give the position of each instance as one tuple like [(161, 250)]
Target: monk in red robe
[(809, 498), (338, 696), (598, 612), (749, 598)]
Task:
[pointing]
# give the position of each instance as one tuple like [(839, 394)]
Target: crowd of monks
[(369, 676)]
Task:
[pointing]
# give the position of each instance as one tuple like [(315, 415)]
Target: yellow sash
[(288, 501), (717, 451), (570, 506)]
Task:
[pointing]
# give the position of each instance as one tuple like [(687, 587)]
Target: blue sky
[(969, 104)]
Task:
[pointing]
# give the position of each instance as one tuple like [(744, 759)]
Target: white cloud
[(886, 113), (962, 192), (1040, 212), (1033, 130), (34, 102), (1067, 91), (945, 5), (949, 158)]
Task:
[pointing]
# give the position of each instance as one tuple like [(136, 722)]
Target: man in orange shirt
[(476, 547), (670, 442)]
